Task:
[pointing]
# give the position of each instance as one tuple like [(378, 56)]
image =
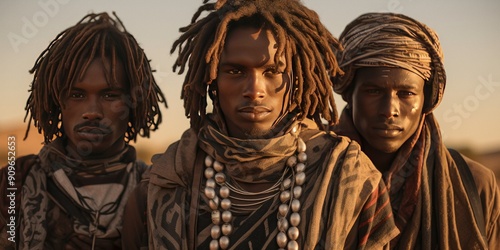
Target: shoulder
[(23, 162), (176, 164), (348, 158), (489, 194), (188, 138), (143, 170), (484, 177), (12, 177), (329, 140), (20, 168), (350, 149), (165, 158)]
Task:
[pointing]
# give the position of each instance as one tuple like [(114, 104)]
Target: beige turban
[(392, 40)]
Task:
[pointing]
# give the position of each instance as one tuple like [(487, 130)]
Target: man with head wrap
[(259, 172), (394, 78)]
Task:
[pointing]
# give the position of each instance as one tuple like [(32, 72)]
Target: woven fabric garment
[(344, 204), (429, 201), (45, 222)]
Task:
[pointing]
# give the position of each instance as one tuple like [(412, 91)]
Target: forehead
[(256, 44), (388, 76), (103, 71)]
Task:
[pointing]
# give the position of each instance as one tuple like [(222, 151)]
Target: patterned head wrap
[(392, 40)]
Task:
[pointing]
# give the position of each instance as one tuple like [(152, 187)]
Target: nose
[(255, 87), (92, 109), (390, 106)]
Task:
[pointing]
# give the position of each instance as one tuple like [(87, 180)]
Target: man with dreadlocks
[(259, 172), (394, 79), (93, 91)]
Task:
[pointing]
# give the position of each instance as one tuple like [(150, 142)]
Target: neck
[(381, 160), (96, 154)]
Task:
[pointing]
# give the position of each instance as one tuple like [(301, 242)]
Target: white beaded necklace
[(289, 189)]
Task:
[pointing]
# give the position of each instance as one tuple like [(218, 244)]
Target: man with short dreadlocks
[(394, 79), (93, 91), (259, 171)]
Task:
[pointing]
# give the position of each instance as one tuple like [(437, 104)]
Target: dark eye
[(76, 95), (274, 71), (112, 96), (372, 91), (406, 93), (234, 71)]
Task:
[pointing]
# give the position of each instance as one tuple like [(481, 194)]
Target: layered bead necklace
[(289, 188)]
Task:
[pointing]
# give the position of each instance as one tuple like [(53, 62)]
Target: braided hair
[(305, 42), (65, 61)]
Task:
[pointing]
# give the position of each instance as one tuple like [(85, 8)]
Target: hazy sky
[(469, 32)]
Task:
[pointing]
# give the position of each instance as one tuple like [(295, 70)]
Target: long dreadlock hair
[(66, 60), (305, 42)]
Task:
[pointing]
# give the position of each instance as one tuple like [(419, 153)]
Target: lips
[(254, 109), (387, 131), (93, 130), (254, 112), (92, 133)]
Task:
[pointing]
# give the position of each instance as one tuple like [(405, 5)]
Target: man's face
[(95, 114), (387, 106), (251, 90)]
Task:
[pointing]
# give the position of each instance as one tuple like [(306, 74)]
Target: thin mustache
[(92, 124)]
